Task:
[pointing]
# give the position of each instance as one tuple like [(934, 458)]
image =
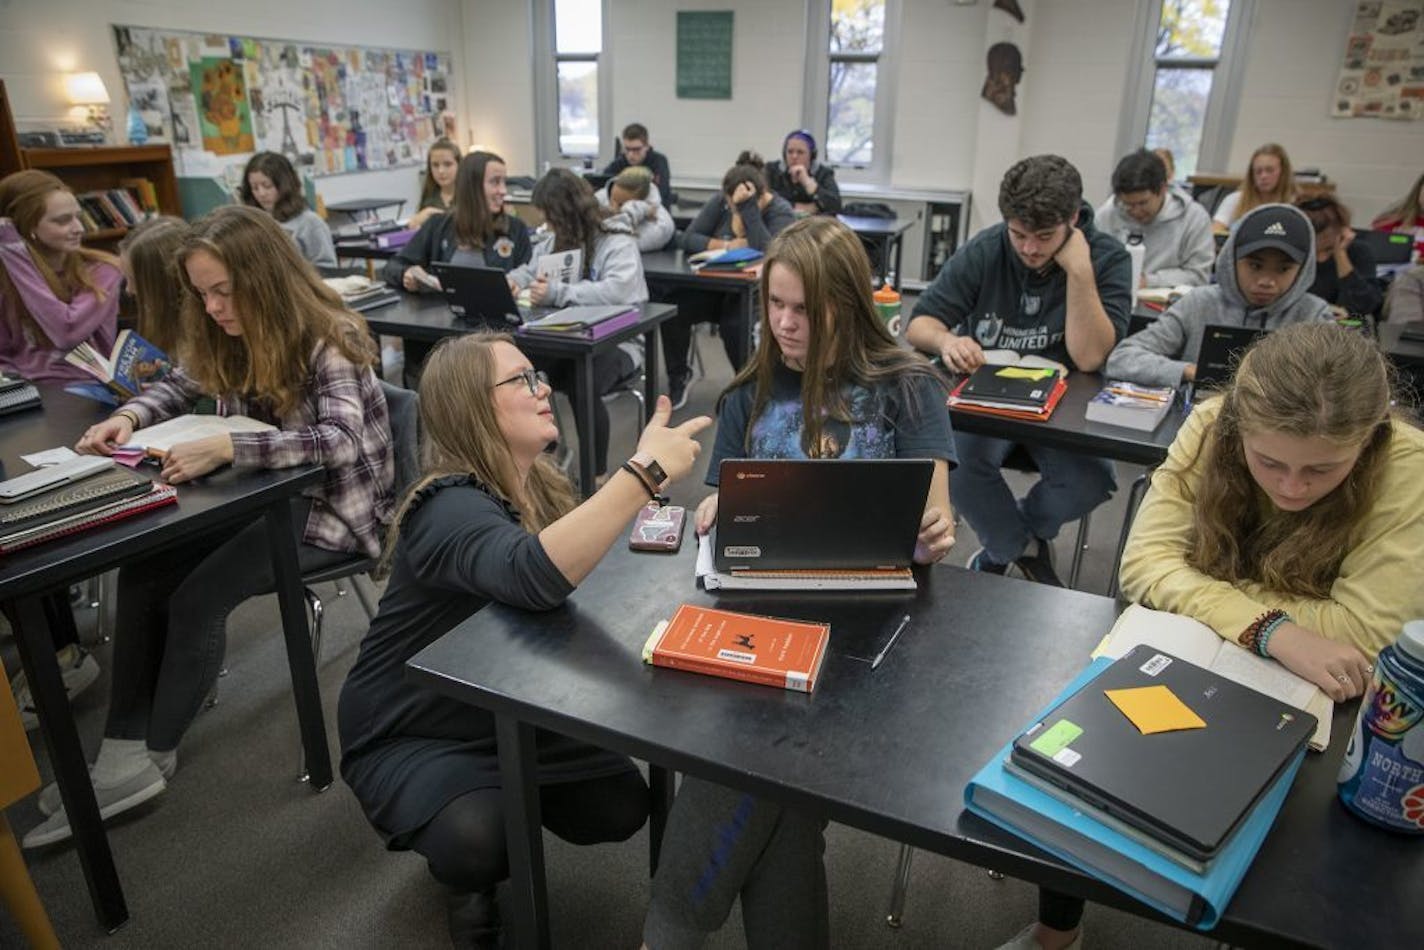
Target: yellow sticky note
[(1025, 372), (1154, 709)]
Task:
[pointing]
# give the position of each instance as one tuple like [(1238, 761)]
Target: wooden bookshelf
[(92, 168)]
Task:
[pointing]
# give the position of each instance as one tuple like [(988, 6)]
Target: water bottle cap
[(887, 294), (1411, 639)]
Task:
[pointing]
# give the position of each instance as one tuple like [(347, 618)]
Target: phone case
[(658, 528)]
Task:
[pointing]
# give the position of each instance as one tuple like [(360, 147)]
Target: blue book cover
[(137, 363), (1122, 860)]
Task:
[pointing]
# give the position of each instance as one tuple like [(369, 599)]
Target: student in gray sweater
[(1263, 272), (1174, 231), (270, 182)]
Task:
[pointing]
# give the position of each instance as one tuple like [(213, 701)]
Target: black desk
[(1407, 356), (427, 318), (886, 234), (668, 272), (224, 500), (360, 206), (1069, 429), (888, 751)]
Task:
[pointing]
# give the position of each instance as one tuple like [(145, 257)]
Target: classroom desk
[(886, 234), (1069, 429), (887, 751), (668, 272), (360, 206), (427, 318), (223, 501)]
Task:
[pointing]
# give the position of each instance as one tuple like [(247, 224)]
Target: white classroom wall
[(945, 136)]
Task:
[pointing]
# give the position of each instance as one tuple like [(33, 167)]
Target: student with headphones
[(801, 179)]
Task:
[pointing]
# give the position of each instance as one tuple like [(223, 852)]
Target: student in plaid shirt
[(265, 338)]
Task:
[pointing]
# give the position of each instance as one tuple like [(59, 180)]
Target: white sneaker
[(113, 800), (78, 669), (1024, 941), (51, 801)]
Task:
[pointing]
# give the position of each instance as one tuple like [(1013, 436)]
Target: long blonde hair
[(461, 436), (24, 196), (284, 308), (1306, 380), (848, 342), (152, 251), (1284, 194)]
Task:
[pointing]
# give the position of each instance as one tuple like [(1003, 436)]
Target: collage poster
[(1383, 71)]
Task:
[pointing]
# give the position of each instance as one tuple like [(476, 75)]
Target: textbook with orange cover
[(766, 650)]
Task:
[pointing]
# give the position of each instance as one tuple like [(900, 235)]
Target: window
[(1186, 98), (578, 40), (848, 97)]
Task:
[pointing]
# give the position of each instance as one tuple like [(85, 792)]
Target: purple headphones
[(805, 136)]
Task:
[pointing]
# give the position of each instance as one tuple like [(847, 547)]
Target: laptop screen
[(478, 293)]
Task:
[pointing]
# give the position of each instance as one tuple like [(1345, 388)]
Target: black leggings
[(1059, 911), (464, 843)]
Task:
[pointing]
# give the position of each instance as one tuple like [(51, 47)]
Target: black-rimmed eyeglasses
[(530, 377)]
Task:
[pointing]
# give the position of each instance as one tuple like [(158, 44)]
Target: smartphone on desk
[(658, 528)]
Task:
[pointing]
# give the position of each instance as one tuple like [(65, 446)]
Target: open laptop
[(1392, 250), (479, 294), (822, 523), (1188, 788), (1221, 349)]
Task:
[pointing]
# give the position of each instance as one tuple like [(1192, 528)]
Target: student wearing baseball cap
[(1263, 274)]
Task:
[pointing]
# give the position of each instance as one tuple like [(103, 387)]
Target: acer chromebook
[(479, 294), (1189, 788), (1221, 349), (826, 523)]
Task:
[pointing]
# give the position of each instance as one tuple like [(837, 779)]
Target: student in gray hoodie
[(1262, 272), (1174, 231), (633, 193)]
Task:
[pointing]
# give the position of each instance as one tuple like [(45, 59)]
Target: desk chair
[(18, 779)]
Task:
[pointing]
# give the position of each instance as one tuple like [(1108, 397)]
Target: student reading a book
[(54, 293), (636, 151), (745, 214), (270, 182), (1344, 267), (148, 257), (827, 381), (1263, 274), (1046, 281), (437, 190), (266, 339), (1269, 180), (1288, 518), (611, 273), (1174, 231), (1406, 215), (492, 520), (801, 178), (633, 194)]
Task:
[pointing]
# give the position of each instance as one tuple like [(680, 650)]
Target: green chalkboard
[(704, 54)]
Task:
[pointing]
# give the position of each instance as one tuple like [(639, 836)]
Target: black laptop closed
[(1221, 349), (819, 514), (1189, 788), (478, 294)]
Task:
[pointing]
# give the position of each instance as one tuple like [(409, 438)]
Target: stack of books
[(732, 262), (361, 293), (105, 495), (1131, 406), (111, 209), (1019, 391), (582, 323)]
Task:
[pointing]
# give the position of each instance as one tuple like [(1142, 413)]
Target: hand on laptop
[(935, 539), (706, 515)]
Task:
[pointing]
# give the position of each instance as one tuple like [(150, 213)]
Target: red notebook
[(85, 520), (1055, 395), (766, 650)]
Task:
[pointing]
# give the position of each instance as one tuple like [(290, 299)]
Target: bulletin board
[(330, 109), (704, 54), (1383, 72)]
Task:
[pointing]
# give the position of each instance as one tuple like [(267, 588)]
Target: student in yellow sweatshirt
[(1288, 517)]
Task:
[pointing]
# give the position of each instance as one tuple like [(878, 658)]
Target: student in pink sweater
[(54, 293)]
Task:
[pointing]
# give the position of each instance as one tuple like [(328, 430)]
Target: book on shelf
[(1018, 390), (1131, 406), (585, 323), (130, 367), (765, 650), (1072, 832), (156, 496), (1197, 643), (144, 189), (156, 440)]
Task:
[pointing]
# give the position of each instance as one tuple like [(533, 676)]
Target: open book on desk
[(157, 439), (1197, 643)]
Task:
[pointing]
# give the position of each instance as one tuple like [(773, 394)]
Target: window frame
[(546, 60), (1224, 102), (816, 105)]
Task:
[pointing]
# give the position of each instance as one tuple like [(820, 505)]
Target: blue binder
[(1194, 898)]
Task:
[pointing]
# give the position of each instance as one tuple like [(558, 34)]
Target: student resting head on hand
[(492, 520), (270, 182)]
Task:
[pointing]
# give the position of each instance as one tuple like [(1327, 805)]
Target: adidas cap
[(1279, 227)]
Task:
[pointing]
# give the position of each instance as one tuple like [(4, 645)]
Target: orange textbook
[(766, 650)]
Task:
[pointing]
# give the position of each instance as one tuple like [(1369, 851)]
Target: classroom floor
[(237, 854)]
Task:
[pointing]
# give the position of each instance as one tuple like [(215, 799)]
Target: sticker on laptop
[(741, 550), (1066, 758), (1056, 738), (1157, 664)]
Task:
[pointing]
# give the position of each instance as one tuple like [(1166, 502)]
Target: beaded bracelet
[(1251, 637), (1265, 637)]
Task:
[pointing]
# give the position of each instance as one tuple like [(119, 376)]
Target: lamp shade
[(86, 89)]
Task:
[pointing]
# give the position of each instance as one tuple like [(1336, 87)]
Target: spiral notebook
[(96, 491), (156, 496)]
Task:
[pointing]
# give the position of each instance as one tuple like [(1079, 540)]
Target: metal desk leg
[(899, 254), (1134, 499), (583, 408), (662, 784), (652, 350), (524, 840), (281, 536), (32, 636)]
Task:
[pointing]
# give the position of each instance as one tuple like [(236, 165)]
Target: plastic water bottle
[(1137, 251), (1382, 776), (887, 304), (137, 129)]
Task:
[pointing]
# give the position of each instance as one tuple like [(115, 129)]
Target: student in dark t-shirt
[(637, 149), (1344, 267), (492, 520)]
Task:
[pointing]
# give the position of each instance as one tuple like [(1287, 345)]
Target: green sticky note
[(1025, 372), (1056, 738)]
